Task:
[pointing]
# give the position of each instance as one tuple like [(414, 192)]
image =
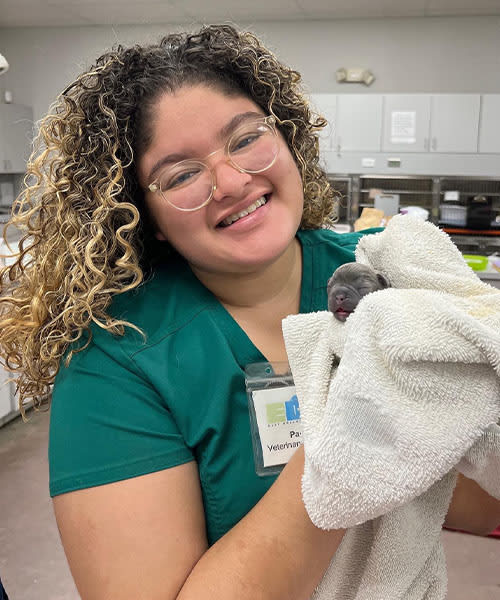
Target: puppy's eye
[(365, 290)]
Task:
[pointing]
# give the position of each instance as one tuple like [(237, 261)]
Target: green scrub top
[(127, 406)]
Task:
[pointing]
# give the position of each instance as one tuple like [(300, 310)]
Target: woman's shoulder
[(169, 300), (332, 238)]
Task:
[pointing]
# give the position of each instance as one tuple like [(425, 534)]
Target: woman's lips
[(234, 218)]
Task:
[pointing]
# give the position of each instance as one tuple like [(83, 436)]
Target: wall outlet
[(368, 162)]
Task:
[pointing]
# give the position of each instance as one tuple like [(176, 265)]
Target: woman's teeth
[(253, 207)]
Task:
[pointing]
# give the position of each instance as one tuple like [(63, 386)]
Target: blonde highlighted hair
[(86, 235)]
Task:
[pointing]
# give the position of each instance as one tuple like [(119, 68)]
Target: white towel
[(416, 393)]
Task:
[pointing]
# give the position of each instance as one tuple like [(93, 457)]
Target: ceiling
[(63, 13)]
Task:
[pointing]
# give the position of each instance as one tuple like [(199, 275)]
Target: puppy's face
[(348, 284)]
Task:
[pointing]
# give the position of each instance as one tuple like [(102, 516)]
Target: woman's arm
[(144, 538), (137, 538), (472, 509)]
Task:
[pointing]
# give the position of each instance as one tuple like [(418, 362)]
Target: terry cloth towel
[(415, 398)]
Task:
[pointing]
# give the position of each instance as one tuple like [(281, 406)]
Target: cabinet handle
[(434, 143), (339, 145)]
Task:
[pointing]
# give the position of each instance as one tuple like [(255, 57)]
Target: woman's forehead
[(192, 120), (200, 104)]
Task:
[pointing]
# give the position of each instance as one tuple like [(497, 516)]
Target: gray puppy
[(348, 284)]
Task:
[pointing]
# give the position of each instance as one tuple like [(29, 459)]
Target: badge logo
[(283, 412)]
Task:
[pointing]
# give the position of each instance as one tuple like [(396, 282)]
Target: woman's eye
[(244, 141), (173, 180)]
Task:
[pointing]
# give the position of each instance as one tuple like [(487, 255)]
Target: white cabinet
[(326, 106), (5, 395), (3, 146), (455, 123), (489, 131), (16, 134), (456, 134), (8, 405), (406, 123), (444, 123), (359, 123)]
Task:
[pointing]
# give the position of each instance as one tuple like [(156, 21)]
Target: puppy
[(348, 284)]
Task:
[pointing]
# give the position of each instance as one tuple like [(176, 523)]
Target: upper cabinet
[(406, 123), (489, 130), (410, 133), (326, 106), (16, 135), (444, 123), (359, 123), (455, 123)]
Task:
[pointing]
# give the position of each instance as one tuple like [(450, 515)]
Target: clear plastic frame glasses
[(190, 184)]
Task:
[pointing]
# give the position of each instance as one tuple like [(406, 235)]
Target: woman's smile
[(237, 216)]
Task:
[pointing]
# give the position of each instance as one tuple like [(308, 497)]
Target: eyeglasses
[(190, 184)]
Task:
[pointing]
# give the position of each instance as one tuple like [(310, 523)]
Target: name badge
[(274, 415)]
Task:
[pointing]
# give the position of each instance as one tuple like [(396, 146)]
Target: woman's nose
[(229, 180)]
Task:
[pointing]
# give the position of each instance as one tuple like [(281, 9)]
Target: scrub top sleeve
[(107, 424)]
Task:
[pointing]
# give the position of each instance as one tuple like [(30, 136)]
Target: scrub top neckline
[(244, 349)]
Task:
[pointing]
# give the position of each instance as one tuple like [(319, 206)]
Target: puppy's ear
[(384, 282)]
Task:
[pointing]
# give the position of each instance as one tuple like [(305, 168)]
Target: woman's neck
[(275, 284)]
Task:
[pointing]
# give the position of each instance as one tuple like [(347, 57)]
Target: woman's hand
[(472, 509)]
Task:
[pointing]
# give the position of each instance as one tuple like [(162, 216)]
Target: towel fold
[(416, 393)]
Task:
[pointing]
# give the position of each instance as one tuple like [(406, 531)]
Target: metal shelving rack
[(427, 192), (472, 186), (414, 190), (342, 185)]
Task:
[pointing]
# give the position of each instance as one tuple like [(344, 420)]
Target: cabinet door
[(5, 396), (406, 123), (455, 123), (17, 136), (326, 106), (359, 123), (3, 164), (489, 131)]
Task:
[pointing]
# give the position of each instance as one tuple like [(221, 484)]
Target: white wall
[(407, 55)]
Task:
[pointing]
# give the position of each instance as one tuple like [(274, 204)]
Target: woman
[(174, 221)]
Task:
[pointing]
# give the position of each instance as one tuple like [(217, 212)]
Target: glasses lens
[(187, 185), (253, 147)]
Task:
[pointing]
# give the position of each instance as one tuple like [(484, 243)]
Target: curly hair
[(86, 231)]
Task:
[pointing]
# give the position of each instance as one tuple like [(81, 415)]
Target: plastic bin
[(452, 214), (476, 262)]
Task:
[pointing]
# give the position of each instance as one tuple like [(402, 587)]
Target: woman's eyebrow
[(224, 133), (236, 121), (165, 160)]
